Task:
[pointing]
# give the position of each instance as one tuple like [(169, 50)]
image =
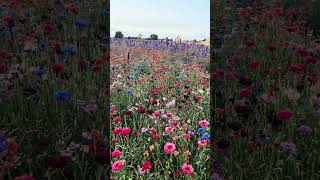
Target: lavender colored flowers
[(288, 147)]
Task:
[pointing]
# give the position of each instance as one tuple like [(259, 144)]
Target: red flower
[(55, 45), (284, 115), (81, 62), (178, 172), (245, 92), (303, 52), (8, 19), (249, 43), (24, 177), (233, 60), (57, 68), (254, 64), (296, 68), (117, 119), (146, 165), (217, 74), (12, 149), (154, 92), (279, 11), (48, 28), (241, 12), (271, 47), (117, 130), (57, 161), (141, 110), (231, 77), (309, 60), (5, 54), (292, 28), (97, 68), (3, 68), (197, 98), (156, 136), (125, 131)]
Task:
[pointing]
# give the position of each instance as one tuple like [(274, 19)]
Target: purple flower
[(304, 131), (216, 176), (288, 147)]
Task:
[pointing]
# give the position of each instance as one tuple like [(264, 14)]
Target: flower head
[(169, 148)]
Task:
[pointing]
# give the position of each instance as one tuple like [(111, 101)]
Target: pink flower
[(169, 148), (169, 129), (170, 104), (267, 98), (118, 165), (116, 153), (117, 130), (202, 143), (187, 169), (156, 114), (117, 119), (203, 123), (174, 123), (125, 131), (142, 171), (168, 116)]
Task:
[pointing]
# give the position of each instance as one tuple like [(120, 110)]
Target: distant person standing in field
[(128, 57)]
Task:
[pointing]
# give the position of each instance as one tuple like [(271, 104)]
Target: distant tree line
[(120, 35)]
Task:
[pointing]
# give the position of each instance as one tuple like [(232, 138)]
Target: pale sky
[(167, 18)]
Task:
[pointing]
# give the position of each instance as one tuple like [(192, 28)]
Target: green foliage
[(118, 34), (153, 37)]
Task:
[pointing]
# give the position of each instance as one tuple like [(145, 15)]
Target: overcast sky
[(167, 18)]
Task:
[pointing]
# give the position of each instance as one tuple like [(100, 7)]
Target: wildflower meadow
[(53, 89), (265, 91), (159, 112)]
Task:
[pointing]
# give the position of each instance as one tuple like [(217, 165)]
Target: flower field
[(53, 84), (159, 114), (265, 84)]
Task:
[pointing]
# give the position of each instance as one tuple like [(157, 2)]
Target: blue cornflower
[(205, 136), (81, 24), (131, 76), (39, 72), (201, 130), (129, 91), (136, 69), (62, 95), (69, 48), (3, 146)]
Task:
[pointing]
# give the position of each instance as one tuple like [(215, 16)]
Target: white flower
[(292, 94), (267, 98)]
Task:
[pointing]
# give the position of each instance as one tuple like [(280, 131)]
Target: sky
[(190, 19)]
